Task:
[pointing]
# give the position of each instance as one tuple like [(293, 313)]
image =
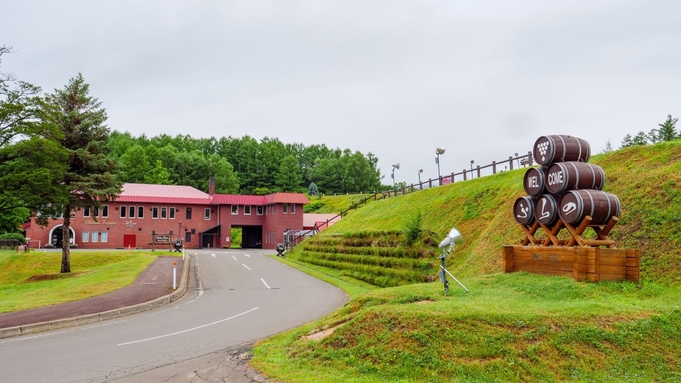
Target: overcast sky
[(484, 79)]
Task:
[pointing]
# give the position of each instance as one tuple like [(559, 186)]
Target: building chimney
[(211, 185)]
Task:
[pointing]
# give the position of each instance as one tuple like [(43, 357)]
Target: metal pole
[(450, 274)]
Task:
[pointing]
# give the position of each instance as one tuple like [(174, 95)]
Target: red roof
[(286, 198), (163, 194), (189, 195), (238, 199)]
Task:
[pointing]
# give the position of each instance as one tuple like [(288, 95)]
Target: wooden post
[(153, 241)]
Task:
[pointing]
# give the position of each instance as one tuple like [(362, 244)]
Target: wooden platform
[(591, 264)]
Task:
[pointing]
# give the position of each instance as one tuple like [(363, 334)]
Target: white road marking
[(213, 255), (234, 257), (190, 329), (246, 266), (266, 285), (247, 255)]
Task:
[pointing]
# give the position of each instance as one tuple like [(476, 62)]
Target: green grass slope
[(646, 179), (510, 327)]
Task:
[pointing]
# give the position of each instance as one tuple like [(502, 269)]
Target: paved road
[(235, 298)]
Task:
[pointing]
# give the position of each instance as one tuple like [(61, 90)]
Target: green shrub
[(413, 228), (19, 237)]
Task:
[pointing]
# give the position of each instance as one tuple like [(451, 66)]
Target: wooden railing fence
[(520, 161)]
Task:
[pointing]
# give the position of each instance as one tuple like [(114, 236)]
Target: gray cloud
[(395, 78)]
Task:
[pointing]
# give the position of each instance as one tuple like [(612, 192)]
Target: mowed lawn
[(32, 279)]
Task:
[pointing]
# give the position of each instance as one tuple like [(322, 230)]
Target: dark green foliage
[(29, 156), (243, 165), (16, 236), (413, 228)]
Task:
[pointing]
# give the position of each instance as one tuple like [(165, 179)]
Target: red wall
[(120, 229)]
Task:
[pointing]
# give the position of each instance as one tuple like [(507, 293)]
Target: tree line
[(243, 165)]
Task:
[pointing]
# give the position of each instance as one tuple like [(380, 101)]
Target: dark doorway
[(251, 237), (210, 237), (57, 239)]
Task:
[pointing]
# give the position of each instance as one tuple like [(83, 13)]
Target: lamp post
[(517, 160), (420, 171), (472, 162), (438, 151), (395, 166)]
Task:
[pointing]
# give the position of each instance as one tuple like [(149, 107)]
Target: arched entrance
[(57, 236)]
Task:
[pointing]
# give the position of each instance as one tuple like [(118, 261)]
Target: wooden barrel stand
[(584, 259)]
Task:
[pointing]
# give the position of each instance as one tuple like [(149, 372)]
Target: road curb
[(33, 328)]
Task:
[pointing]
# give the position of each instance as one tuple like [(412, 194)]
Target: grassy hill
[(647, 180), (510, 327)]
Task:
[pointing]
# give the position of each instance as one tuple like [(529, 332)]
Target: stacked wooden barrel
[(565, 187)]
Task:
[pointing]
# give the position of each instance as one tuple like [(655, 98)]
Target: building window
[(95, 236), (86, 236), (235, 209), (86, 212), (124, 211), (154, 212), (258, 210), (247, 209), (283, 208), (105, 211), (187, 237), (293, 208), (131, 212), (206, 214), (104, 236), (164, 212), (189, 213), (95, 212), (172, 213), (140, 212)]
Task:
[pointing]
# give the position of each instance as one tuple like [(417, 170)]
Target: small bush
[(19, 237), (413, 228)]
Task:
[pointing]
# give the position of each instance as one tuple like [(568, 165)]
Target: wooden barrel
[(560, 148), (546, 210), (564, 176), (575, 205), (534, 181), (523, 210)]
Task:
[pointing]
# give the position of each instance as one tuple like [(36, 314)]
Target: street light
[(395, 166), (438, 151), (420, 171), (472, 162), (517, 159)]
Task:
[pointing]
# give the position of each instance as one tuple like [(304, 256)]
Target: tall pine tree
[(90, 176)]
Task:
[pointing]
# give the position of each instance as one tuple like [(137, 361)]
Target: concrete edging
[(33, 328)]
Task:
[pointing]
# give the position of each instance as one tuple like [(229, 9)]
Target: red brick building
[(200, 220)]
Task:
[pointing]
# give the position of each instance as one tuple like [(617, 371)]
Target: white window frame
[(95, 236), (105, 211), (292, 208), (154, 212), (259, 210), (124, 211), (140, 212), (131, 212), (247, 209), (235, 209), (171, 213), (206, 214), (85, 236), (104, 236), (164, 212), (86, 212), (284, 208)]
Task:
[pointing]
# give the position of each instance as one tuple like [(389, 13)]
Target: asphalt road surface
[(234, 298)]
